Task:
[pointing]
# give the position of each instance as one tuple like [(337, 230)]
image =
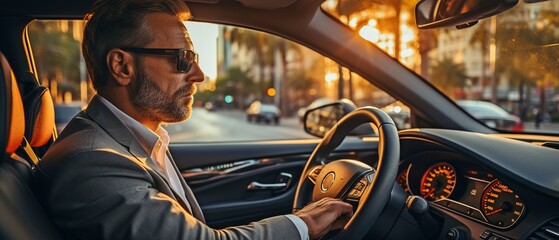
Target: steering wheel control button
[(327, 181), (359, 186), (358, 190), (354, 194)]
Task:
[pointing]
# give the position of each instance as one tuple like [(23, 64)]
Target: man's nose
[(196, 74)]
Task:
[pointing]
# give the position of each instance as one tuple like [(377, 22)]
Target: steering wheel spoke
[(313, 174)]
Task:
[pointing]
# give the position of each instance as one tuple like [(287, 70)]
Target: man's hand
[(325, 215)]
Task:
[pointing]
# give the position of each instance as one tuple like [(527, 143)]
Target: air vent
[(548, 231)]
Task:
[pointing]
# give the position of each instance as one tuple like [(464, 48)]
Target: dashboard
[(456, 184), (489, 186)]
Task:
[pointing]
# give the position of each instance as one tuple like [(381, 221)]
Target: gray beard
[(152, 101)]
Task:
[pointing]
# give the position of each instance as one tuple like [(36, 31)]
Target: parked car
[(470, 180), (263, 112), (63, 113), (492, 115)]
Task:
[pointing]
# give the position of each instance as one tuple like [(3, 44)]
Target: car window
[(269, 108), (257, 87), (509, 60)]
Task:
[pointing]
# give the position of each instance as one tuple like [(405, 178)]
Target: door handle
[(254, 186), (283, 180)]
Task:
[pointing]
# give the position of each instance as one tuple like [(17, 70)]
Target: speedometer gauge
[(500, 205), (438, 182)]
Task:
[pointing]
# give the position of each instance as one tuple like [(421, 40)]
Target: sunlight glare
[(369, 33)]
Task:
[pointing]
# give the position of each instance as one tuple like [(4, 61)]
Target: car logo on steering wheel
[(328, 181)]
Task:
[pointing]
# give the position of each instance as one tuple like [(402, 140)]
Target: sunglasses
[(185, 57)]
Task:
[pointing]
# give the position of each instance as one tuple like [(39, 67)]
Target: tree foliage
[(447, 75), (524, 54), (56, 53), (236, 83)]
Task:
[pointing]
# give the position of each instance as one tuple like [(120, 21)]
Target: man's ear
[(121, 66)]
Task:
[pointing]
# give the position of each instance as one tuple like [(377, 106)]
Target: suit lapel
[(103, 116), (196, 210)]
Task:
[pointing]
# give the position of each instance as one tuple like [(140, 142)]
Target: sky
[(204, 38)]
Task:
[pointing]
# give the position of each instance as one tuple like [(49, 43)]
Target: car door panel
[(195, 155), (220, 173), (227, 201)]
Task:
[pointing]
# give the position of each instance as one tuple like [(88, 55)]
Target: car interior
[(447, 176)]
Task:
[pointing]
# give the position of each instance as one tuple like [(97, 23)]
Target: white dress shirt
[(157, 144)]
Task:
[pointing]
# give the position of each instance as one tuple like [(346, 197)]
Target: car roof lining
[(77, 9), (263, 4), (46, 9)]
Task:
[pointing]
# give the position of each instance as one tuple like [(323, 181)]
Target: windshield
[(509, 60)]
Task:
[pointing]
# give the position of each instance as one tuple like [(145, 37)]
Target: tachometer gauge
[(500, 205), (438, 182), (402, 179)]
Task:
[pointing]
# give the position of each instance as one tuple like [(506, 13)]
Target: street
[(545, 127), (231, 125)]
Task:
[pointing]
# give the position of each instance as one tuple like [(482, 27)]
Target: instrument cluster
[(464, 188)]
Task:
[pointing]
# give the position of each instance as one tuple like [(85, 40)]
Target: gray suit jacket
[(97, 182)]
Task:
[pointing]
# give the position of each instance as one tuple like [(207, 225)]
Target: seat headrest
[(12, 110), (39, 116)]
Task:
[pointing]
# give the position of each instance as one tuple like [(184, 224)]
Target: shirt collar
[(147, 138)]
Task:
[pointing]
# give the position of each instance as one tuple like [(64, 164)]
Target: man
[(109, 175)]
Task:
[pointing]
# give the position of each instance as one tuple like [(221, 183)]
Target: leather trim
[(16, 124), (39, 112)]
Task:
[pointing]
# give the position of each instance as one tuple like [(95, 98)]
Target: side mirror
[(459, 13), (318, 121)]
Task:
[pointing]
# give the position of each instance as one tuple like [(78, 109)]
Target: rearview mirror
[(459, 13), (318, 121)]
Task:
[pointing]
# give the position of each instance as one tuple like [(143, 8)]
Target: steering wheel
[(351, 180)]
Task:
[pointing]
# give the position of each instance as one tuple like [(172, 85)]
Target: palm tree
[(481, 37), (276, 45), (448, 75), (258, 43), (427, 40)]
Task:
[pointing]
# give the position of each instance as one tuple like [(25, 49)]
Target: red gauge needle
[(496, 211)]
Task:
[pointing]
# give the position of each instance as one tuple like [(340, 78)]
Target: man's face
[(159, 105), (159, 91)]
